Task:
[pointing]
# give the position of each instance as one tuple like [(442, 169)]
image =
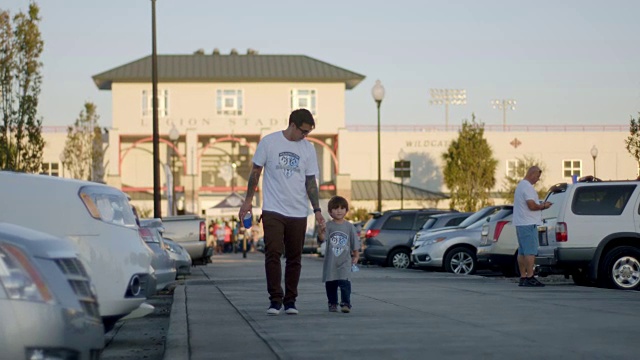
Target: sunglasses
[(304, 132)]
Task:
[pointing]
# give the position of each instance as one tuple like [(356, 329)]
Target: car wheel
[(399, 259), (460, 260), (622, 268)]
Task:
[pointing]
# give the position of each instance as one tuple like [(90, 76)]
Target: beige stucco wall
[(358, 154), (193, 105)]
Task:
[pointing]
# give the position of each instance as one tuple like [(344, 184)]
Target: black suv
[(389, 236)]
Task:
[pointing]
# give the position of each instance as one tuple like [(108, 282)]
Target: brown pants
[(283, 234)]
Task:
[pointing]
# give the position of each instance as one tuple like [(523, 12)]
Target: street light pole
[(174, 135), (157, 211), (594, 155), (378, 96)]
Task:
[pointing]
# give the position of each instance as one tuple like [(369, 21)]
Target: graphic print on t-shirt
[(289, 163), (338, 241)]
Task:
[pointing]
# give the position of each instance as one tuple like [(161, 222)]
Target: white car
[(48, 306), (99, 220), (498, 247), (455, 249)]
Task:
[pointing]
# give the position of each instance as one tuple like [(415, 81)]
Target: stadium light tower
[(447, 97), (504, 105)]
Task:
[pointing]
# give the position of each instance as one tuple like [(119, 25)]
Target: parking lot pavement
[(142, 338), (398, 314)]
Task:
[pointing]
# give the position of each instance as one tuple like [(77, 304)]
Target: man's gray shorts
[(527, 239)]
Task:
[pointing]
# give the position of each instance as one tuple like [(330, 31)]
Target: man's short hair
[(300, 116), (338, 202)]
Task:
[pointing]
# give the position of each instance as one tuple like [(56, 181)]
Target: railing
[(496, 128)]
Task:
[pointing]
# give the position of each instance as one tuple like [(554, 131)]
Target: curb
[(176, 345)]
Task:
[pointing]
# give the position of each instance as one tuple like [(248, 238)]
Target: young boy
[(341, 253)]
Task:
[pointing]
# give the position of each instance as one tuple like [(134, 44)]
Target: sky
[(570, 62)]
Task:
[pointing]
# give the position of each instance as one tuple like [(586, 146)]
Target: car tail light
[(203, 231), (371, 233), (146, 235), (561, 232), (499, 227)]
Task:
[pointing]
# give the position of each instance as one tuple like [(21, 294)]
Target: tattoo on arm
[(312, 191), (254, 178)]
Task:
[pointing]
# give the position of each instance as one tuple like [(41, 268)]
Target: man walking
[(290, 170), (527, 215)]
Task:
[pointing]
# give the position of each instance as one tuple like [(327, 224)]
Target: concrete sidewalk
[(220, 313)]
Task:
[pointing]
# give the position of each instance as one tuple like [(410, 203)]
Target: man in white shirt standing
[(290, 170), (527, 215)]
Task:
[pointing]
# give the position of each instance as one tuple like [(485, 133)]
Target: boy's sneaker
[(290, 309), (274, 308), (522, 281), (533, 282), (333, 307), (345, 308)]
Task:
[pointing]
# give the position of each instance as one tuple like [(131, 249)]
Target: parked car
[(593, 233), (180, 256), (163, 265), (48, 306), (455, 249), (498, 247), (99, 220), (388, 236), (190, 231), (442, 221)]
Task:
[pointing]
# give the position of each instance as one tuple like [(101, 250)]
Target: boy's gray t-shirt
[(341, 240)]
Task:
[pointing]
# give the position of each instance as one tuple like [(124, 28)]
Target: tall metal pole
[(504, 116), (379, 163), (402, 191), (157, 211)]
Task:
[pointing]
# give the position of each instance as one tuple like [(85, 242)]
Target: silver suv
[(593, 233)]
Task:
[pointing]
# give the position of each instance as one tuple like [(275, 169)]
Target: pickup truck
[(190, 231)]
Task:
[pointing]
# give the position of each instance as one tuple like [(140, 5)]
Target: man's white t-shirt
[(286, 164), (522, 215)]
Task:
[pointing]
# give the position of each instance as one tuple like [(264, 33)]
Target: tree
[(84, 150), (470, 168), (510, 182), (633, 140), (21, 44)]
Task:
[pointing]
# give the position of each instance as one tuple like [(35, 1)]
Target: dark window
[(455, 221), (420, 220), (399, 222), (601, 200)]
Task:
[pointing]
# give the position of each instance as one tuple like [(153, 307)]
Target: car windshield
[(479, 215), (427, 225), (493, 215)]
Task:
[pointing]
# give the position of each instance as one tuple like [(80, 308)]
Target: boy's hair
[(338, 202)]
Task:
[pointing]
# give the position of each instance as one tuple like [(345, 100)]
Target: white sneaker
[(290, 309), (274, 309)]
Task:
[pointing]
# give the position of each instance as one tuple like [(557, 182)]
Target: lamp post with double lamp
[(378, 96), (174, 135), (594, 155)]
